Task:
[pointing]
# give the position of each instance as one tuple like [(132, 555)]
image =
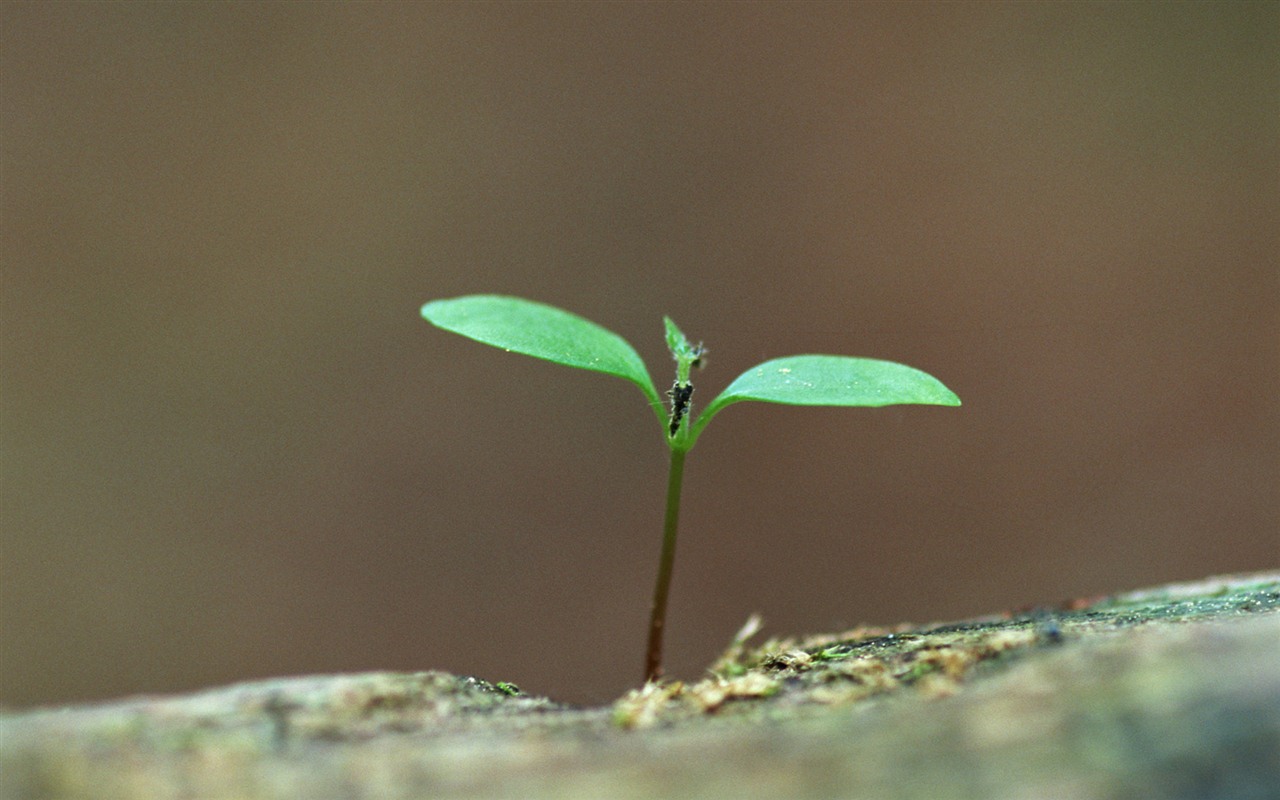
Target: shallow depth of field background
[(232, 449)]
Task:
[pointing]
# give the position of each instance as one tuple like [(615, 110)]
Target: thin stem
[(666, 562)]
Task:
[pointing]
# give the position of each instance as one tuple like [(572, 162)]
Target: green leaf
[(542, 331), (831, 381), (677, 342), (683, 352)]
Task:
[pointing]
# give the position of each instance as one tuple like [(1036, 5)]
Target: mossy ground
[(1172, 692)]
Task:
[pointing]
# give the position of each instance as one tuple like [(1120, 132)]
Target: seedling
[(542, 331)]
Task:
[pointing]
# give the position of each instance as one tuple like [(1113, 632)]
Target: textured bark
[(1166, 693)]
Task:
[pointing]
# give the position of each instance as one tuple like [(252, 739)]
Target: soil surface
[(1171, 692)]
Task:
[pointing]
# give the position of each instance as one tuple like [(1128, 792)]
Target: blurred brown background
[(232, 449)]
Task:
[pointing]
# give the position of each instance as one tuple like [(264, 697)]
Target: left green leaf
[(541, 331)]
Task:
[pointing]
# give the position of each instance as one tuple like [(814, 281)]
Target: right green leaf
[(832, 381)]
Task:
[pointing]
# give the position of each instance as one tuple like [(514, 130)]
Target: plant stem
[(666, 562)]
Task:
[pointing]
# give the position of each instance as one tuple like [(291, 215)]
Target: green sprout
[(543, 331)]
